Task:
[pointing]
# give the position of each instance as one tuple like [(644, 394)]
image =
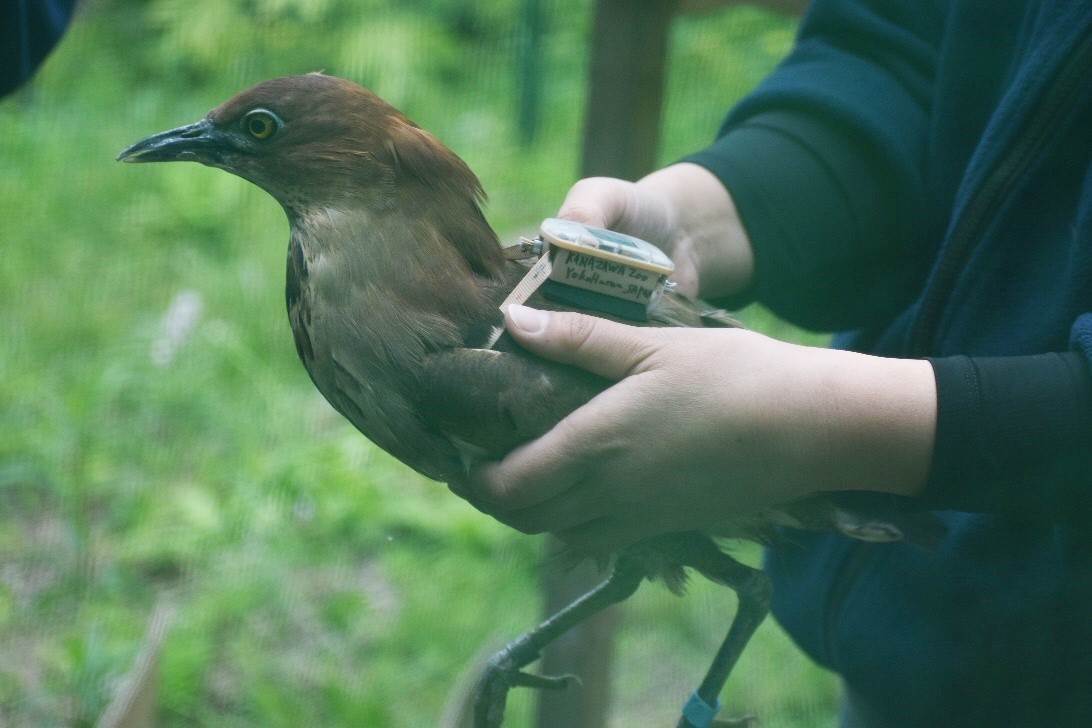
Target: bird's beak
[(198, 142)]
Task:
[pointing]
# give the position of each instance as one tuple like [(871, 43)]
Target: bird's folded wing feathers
[(488, 401), (389, 420)]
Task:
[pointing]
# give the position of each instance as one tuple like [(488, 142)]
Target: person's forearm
[(742, 423), (882, 423)]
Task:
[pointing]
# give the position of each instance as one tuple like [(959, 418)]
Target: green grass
[(314, 580)]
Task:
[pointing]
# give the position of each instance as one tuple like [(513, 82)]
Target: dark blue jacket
[(28, 31), (918, 175)]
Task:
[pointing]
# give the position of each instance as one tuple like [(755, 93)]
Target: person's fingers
[(532, 473), (604, 347), (572, 452), (462, 489), (596, 201)]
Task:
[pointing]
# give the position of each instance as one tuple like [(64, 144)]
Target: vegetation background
[(160, 444)]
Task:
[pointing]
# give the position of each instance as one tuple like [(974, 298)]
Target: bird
[(394, 282)]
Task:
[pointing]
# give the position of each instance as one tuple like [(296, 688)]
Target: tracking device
[(604, 270), (592, 268)]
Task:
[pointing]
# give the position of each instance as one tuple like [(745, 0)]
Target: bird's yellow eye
[(261, 124)]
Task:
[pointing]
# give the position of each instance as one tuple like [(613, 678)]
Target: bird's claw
[(543, 682), (503, 673)]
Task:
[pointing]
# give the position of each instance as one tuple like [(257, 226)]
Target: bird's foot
[(502, 673), (699, 713)]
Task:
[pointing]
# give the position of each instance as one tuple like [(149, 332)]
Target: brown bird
[(393, 287)]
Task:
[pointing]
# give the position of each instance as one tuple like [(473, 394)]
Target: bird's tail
[(879, 517)]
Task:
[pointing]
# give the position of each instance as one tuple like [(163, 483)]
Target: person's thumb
[(604, 347)]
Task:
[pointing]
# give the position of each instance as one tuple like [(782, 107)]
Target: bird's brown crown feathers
[(339, 146)]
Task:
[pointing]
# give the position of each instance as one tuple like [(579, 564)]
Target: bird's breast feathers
[(362, 341)]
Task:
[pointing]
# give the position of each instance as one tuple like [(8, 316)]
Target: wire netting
[(161, 445)]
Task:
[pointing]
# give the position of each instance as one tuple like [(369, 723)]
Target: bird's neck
[(406, 262), (400, 232)]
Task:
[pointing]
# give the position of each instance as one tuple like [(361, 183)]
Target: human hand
[(685, 210), (704, 425)]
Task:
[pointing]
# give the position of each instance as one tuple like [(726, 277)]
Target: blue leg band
[(698, 712)]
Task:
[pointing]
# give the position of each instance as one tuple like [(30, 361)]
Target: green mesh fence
[(161, 445)]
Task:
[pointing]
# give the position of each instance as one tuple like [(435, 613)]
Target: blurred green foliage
[(159, 441)]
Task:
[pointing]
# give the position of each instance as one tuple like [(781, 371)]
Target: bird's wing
[(489, 401), (389, 420), (676, 309)]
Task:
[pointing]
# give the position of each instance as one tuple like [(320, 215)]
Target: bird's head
[(316, 141)]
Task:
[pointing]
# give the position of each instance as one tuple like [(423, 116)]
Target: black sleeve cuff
[(1014, 436), (822, 216)]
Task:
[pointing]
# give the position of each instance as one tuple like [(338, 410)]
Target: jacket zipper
[(1053, 108)]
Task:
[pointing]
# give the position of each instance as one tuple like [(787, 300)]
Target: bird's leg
[(502, 672), (752, 588)]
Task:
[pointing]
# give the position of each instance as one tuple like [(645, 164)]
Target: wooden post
[(626, 86), (621, 139)]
